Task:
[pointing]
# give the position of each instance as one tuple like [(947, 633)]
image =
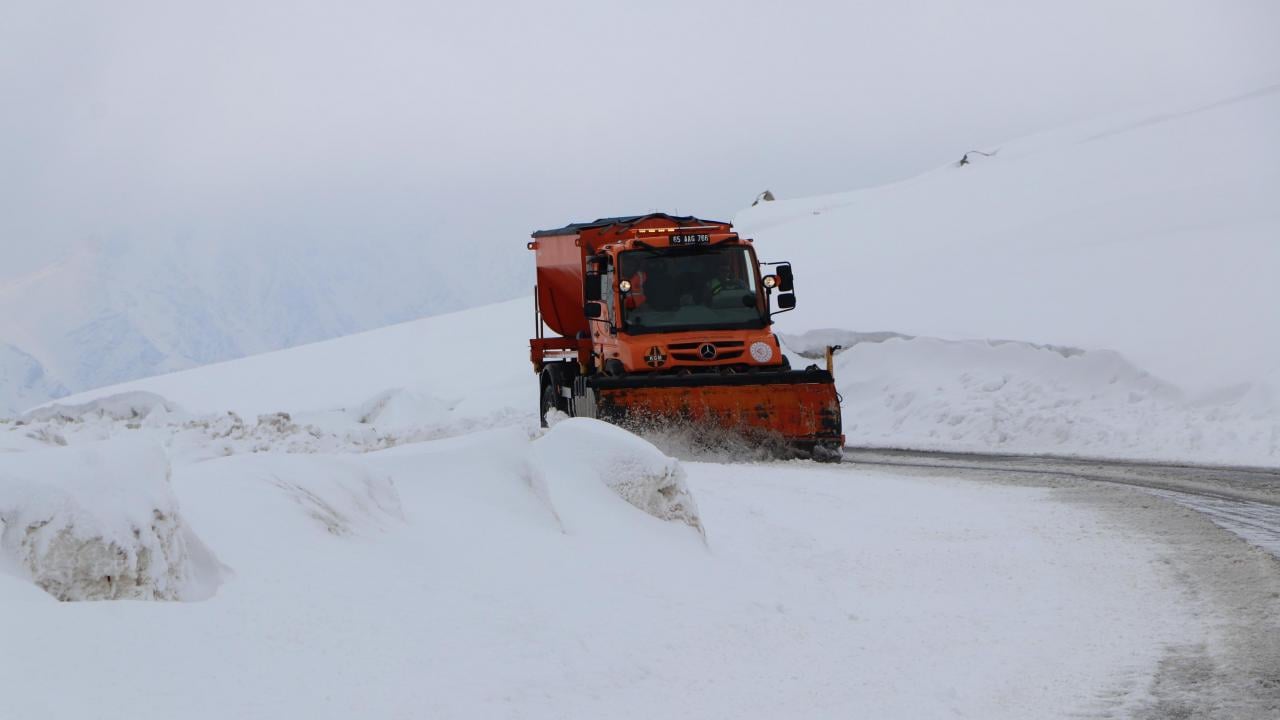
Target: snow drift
[(578, 454), (122, 406), (100, 522), (921, 392)]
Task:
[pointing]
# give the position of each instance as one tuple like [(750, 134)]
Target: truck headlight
[(625, 286)]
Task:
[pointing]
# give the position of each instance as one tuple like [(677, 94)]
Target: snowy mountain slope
[(116, 310), (1154, 236), (472, 362)]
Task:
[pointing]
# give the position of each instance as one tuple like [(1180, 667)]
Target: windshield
[(679, 289)]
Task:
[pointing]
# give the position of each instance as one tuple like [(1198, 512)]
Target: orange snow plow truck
[(665, 321)]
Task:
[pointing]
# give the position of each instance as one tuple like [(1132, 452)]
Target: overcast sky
[(466, 125)]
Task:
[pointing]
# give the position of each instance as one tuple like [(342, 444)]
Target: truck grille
[(720, 345), (725, 350)]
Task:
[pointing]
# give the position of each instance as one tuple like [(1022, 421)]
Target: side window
[(606, 292)]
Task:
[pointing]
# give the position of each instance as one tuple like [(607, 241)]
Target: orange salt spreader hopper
[(666, 321)]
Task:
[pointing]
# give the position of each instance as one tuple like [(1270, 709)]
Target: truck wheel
[(548, 402), (554, 377)]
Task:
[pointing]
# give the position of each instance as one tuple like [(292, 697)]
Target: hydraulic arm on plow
[(664, 320)]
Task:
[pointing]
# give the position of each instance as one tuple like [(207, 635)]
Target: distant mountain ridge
[(112, 311), (23, 381)]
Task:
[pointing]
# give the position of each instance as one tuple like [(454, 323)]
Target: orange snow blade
[(801, 408)]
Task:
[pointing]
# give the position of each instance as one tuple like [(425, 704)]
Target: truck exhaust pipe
[(831, 353)]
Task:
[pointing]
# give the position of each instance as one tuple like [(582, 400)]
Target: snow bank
[(567, 569), (335, 494), (100, 522), (135, 405), (1001, 396), (402, 409), (479, 604), (387, 419), (579, 453)]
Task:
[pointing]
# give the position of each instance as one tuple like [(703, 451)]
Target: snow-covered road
[(1244, 500), (1228, 578)]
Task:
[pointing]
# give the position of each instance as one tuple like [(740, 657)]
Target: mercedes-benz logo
[(707, 351)]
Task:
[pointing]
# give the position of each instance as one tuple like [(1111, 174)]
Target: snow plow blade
[(797, 411)]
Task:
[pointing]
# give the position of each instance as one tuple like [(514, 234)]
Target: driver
[(722, 278)]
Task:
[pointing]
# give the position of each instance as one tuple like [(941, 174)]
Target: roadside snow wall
[(1002, 396), (134, 405), (100, 522), (578, 454)]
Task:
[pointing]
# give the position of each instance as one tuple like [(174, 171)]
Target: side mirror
[(591, 289), (595, 310), (786, 281), (786, 301)]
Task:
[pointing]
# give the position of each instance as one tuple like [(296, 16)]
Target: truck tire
[(547, 402), (554, 377)]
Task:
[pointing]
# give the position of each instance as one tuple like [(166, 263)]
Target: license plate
[(703, 239)]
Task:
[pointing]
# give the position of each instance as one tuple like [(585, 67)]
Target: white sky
[(466, 125)]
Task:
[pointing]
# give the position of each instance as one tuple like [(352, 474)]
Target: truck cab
[(686, 307), (668, 294)]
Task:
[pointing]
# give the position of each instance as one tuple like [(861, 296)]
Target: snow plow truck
[(666, 321)]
